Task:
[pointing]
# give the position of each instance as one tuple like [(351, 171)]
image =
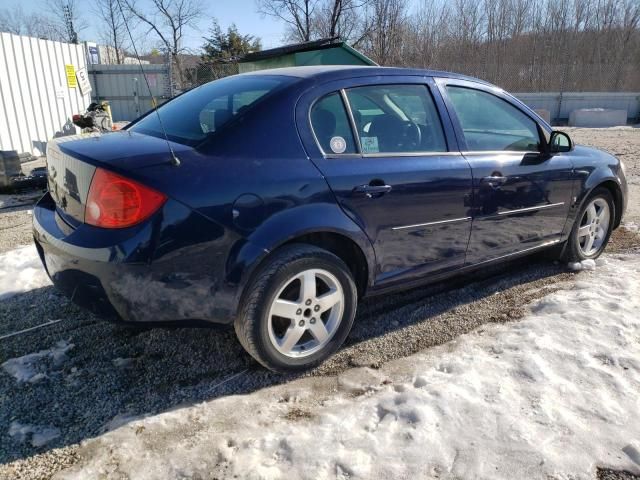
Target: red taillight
[(118, 202)]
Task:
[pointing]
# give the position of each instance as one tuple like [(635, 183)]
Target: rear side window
[(396, 119), (490, 123), (331, 125), (199, 113)]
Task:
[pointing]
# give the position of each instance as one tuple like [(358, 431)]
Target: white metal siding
[(30, 72)]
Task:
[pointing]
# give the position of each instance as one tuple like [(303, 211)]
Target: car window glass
[(199, 113), (396, 119), (219, 110), (364, 110), (331, 125), (490, 123)]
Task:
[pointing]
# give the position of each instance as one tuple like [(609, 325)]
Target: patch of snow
[(588, 264), (551, 396), (122, 362), (20, 271), (28, 367), (631, 226), (37, 435)]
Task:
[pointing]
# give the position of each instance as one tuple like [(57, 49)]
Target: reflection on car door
[(386, 159), (520, 199)]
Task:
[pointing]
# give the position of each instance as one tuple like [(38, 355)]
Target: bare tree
[(427, 35), (169, 20), (345, 19), (113, 31), (384, 43), (314, 19), (297, 14), (12, 20), (67, 19), (467, 21), (15, 21)]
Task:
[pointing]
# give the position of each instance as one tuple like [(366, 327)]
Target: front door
[(521, 198), (386, 155)]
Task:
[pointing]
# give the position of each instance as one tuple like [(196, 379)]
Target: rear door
[(393, 164), (521, 198)]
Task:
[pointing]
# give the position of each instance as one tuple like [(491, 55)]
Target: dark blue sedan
[(275, 200)]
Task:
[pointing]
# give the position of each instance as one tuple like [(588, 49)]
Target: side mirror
[(559, 142)]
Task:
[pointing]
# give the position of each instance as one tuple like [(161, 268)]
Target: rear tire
[(298, 310), (592, 228)]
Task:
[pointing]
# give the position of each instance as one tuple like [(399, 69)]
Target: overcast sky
[(241, 12)]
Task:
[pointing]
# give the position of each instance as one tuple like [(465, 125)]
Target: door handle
[(495, 180), (371, 191)]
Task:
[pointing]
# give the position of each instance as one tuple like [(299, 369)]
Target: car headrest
[(387, 128), (324, 124), (220, 117)]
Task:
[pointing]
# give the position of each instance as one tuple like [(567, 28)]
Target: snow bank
[(550, 396), (21, 271)]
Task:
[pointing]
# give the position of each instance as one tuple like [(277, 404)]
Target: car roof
[(337, 72)]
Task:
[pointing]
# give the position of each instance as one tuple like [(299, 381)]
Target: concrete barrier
[(597, 117), (561, 105), (544, 113)]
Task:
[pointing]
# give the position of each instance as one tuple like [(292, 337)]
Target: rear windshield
[(199, 113)]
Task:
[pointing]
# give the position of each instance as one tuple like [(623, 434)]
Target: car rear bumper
[(121, 276), (75, 271)]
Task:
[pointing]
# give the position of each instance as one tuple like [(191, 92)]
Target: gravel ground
[(15, 213), (15, 220), (113, 373), (606, 474)]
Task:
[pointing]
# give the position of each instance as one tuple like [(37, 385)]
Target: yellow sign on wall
[(72, 82)]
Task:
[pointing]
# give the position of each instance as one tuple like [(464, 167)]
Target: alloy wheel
[(594, 226), (306, 313)]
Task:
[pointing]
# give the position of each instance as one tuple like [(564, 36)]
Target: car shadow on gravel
[(91, 376)]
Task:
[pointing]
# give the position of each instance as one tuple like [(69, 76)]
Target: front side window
[(331, 125), (492, 124), (396, 119), (194, 116)]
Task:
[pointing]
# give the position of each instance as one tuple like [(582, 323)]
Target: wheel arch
[(324, 226), (342, 247), (616, 193), (598, 179), (613, 186)]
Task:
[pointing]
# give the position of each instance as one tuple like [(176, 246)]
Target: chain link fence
[(552, 78), (193, 76), (512, 77), (548, 86)]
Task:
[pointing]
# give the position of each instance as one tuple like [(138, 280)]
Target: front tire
[(592, 228), (299, 309)]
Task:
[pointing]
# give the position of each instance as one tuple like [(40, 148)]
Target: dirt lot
[(109, 374)]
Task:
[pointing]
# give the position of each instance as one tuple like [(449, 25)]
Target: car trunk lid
[(72, 162), (68, 179)]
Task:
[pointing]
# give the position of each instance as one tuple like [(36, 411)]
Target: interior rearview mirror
[(560, 142)]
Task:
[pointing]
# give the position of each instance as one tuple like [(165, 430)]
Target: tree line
[(532, 44), (538, 44)]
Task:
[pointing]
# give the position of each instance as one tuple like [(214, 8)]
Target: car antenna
[(174, 159)]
